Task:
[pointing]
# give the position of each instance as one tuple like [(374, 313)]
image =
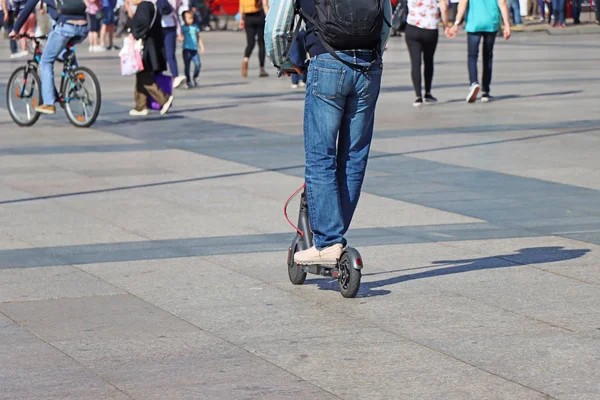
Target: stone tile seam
[(70, 357), (218, 336), (408, 339), (70, 297)]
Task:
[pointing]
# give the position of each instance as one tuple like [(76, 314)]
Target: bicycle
[(80, 102)]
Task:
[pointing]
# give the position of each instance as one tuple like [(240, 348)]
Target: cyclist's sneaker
[(138, 113), (167, 105), (312, 256), (45, 109)]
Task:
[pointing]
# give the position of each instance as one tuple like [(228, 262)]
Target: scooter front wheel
[(295, 272), (349, 278)]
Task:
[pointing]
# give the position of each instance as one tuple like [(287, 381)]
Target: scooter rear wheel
[(349, 279), (295, 272)]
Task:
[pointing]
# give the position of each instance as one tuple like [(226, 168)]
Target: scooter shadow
[(521, 258)]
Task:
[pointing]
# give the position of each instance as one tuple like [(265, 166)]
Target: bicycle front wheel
[(23, 95), (82, 97)]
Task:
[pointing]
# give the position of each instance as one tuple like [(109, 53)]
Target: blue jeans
[(515, 7), (558, 6), (298, 56), (57, 42), (190, 56), (473, 40), (576, 10), (339, 113), (170, 47)]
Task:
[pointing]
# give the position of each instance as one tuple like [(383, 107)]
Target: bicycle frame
[(69, 59)]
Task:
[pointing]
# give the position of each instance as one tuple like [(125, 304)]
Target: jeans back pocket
[(328, 82)]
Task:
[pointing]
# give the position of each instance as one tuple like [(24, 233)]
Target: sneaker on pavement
[(418, 102), (294, 86), (312, 256), (45, 109), (138, 113), (473, 92), (263, 74), (167, 106), (429, 98), (178, 80), (486, 98), (20, 54), (302, 84)]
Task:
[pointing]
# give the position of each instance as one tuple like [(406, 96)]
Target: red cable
[(285, 209)]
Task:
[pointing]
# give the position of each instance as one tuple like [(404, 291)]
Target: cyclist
[(71, 26)]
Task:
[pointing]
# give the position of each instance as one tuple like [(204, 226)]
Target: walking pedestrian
[(93, 7), (145, 24), (252, 19), (108, 24), (191, 41), (482, 23), (576, 11), (172, 31), (421, 36), (344, 78)]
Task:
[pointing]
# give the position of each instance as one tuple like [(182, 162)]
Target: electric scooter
[(348, 268)]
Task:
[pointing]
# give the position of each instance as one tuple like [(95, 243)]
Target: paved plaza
[(146, 258)]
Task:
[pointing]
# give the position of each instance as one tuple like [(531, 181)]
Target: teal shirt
[(190, 37), (483, 16)]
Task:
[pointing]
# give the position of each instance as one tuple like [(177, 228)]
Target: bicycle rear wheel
[(23, 95), (82, 97)]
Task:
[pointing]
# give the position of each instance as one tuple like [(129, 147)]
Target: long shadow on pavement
[(528, 256)]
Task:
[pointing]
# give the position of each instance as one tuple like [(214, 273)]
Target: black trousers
[(255, 31), (421, 44)]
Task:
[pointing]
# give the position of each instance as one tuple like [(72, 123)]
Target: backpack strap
[(332, 51), (294, 36)]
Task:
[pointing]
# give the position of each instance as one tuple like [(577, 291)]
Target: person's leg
[(576, 11), (57, 42), (488, 57), (187, 60), (250, 36), (542, 8), (170, 46), (140, 96), (197, 64), (356, 133), (323, 111), (262, 53), (103, 29), (429, 47), (516, 7), (550, 11), (597, 6), (9, 27), (110, 29), (412, 37), (473, 40), (147, 82)]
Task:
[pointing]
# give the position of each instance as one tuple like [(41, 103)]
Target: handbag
[(131, 56), (131, 53)]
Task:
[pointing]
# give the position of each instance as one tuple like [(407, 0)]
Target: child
[(191, 40)]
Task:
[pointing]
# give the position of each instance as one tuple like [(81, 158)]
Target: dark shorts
[(94, 23), (109, 16)]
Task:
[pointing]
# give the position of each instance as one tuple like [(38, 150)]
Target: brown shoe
[(245, 69), (263, 74), (45, 109)]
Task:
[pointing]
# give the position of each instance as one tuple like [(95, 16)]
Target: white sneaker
[(294, 86), (20, 54), (302, 84), (99, 49), (167, 105), (140, 113), (473, 92), (91, 49), (178, 80), (312, 256)]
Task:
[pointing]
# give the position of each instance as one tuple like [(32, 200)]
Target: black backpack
[(348, 25), (71, 7), (164, 7)]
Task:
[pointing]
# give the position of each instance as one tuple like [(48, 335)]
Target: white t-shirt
[(423, 14)]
